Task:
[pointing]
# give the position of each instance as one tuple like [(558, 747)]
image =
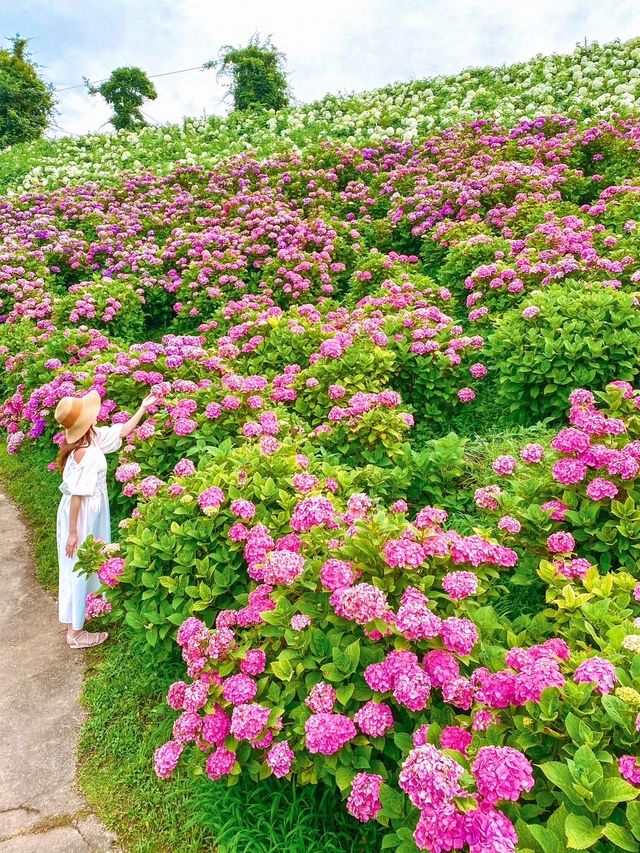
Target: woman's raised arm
[(135, 419)]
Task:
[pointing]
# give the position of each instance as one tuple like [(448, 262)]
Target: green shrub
[(579, 337)]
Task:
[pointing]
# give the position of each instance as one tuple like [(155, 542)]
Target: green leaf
[(614, 791), (620, 837), (392, 802), (586, 769), (581, 833), (134, 619), (549, 842), (560, 775), (633, 817)]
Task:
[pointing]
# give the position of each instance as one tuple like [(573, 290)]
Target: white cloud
[(336, 45)]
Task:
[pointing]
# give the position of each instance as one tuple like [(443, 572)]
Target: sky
[(331, 46)]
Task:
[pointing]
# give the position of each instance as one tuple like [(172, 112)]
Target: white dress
[(89, 479)]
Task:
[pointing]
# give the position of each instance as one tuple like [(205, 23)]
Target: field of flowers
[(386, 512), (594, 80)]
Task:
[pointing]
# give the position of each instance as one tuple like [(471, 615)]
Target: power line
[(104, 79)]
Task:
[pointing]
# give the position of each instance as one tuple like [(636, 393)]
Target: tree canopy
[(125, 91), (256, 74), (27, 103)]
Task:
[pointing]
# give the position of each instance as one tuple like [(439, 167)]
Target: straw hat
[(77, 414)]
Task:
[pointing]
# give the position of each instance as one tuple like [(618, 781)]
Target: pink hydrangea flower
[(111, 571), (502, 773), (279, 758), (321, 699), (210, 500), (248, 720), (364, 800), (510, 524), (299, 622), (429, 777), (454, 737), (166, 757), (599, 489), (561, 543), (504, 465), (360, 603), (328, 733), (459, 635), (254, 662), (336, 574), (630, 769), (441, 666), (283, 567), (460, 584), (596, 671), (374, 719), (239, 689), (556, 508), (220, 763), (532, 453)]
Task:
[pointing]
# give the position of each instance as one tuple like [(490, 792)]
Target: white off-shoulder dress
[(87, 478)]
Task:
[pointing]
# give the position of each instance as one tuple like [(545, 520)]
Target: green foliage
[(257, 78), (582, 337), (26, 101), (125, 91)]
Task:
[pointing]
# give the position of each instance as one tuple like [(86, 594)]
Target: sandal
[(85, 640)]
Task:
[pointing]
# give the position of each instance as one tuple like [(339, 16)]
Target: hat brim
[(91, 404)]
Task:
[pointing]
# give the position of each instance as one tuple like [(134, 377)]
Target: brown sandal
[(85, 640)]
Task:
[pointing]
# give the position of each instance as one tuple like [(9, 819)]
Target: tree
[(125, 92), (27, 103), (256, 74)]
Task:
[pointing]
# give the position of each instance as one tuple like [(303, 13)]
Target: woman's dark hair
[(66, 449)]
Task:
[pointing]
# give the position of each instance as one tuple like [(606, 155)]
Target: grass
[(124, 694)]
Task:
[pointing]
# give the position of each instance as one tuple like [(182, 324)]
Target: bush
[(564, 338)]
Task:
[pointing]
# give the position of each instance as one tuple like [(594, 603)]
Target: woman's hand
[(148, 401), (72, 544)]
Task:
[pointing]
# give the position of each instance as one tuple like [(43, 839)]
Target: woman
[(84, 506)]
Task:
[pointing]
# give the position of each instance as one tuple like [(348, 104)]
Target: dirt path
[(41, 809)]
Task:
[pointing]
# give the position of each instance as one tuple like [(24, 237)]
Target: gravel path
[(41, 808)]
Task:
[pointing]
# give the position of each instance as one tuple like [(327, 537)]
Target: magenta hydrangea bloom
[(328, 733), (216, 727), (532, 453), (441, 666), (441, 828), (254, 662), (502, 773), (459, 585), (364, 800), (429, 777), (299, 622), (454, 737), (248, 721), (322, 698), (599, 489), (374, 719), (239, 689), (360, 603), (166, 757), (210, 500), (561, 543), (510, 524), (283, 567), (629, 769), (111, 571), (596, 671), (459, 635), (336, 574), (279, 758), (504, 465), (412, 689), (220, 763)]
